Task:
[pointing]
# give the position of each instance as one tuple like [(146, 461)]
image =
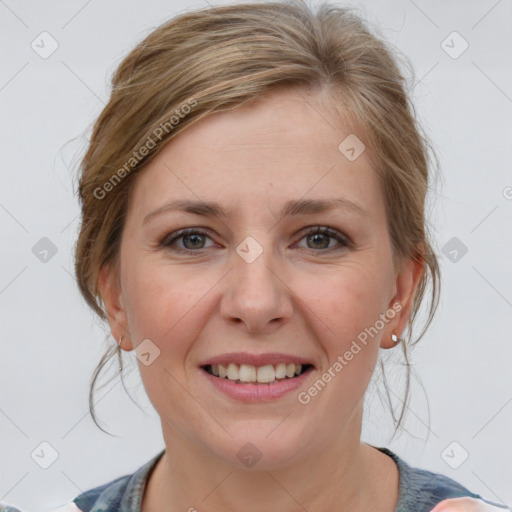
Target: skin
[(298, 297)]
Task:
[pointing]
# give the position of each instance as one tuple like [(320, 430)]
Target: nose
[(256, 295)]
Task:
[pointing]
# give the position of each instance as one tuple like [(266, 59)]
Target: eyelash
[(168, 242)]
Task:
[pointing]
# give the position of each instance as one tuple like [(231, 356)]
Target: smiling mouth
[(250, 374)]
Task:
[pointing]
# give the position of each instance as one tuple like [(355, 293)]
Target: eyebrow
[(291, 208)]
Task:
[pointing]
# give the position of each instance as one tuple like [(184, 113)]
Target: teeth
[(280, 371), (266, 374), (247, 373), (250, 373), (233, 371)]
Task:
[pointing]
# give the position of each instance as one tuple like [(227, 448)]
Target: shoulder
[(123, 493), (421, 490)]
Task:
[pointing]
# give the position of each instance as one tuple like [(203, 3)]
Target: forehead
[(283, 146)]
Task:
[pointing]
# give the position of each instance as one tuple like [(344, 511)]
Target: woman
[(253, 228)]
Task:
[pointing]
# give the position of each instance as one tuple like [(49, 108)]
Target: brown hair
[(220, 57)]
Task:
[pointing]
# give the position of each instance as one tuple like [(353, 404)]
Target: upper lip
[(255, 359)]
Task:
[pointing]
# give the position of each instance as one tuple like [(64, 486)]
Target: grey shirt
[(420, 490)]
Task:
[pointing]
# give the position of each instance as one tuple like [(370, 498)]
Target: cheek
[(349, 299), (165, 305), (342, 312)]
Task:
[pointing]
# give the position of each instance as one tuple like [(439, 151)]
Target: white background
[(51, 342)]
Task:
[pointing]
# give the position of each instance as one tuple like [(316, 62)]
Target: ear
[(407, 282), (110, 289)]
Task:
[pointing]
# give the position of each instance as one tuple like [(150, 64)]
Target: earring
[(121, 341), (395, 338)]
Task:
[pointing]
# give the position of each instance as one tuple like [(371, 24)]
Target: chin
[(262, 451)]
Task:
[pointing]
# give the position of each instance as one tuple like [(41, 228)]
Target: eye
[(191, 238), (319, 236)]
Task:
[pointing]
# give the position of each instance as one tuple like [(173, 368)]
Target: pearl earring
[(395, 338)]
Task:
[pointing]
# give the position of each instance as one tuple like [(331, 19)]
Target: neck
[(350, 473)]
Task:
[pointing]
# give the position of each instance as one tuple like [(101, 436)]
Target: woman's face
[(254, 280)]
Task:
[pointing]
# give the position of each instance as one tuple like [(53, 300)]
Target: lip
[(254, 392), (255, 359)]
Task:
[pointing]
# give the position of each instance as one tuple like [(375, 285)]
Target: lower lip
[(257, 392)]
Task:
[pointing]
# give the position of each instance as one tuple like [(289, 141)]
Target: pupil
[(196, 237), (315, 238)]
